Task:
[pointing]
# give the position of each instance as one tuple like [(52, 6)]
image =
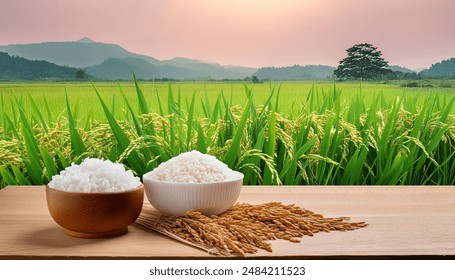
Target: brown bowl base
[(107, 234)]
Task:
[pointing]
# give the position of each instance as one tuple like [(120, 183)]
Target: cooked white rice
[(95, 176), (192, 167)]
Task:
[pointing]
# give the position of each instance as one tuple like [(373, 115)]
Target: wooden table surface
[(404, 222)]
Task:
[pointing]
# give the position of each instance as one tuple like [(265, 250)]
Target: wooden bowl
[(95, 215)]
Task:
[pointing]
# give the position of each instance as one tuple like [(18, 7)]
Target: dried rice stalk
[(244, 228)]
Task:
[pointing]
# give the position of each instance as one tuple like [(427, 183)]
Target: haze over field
[(253, 33)]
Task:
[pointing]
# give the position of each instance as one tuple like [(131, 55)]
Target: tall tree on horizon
[(364, 61)]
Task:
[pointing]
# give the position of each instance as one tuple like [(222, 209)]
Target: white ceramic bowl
[(176, 198)]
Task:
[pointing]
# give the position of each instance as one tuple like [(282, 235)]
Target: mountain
[(99, 58), (111, 62), (420, 69), (116, 68), (296, 72), (396, 68), (79, 54), (214, 70), (122, 69), (86, 40), (443, 69), (14, 68)]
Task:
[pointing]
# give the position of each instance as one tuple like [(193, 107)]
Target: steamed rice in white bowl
[(193, 181), (193, 167), (95, 176)]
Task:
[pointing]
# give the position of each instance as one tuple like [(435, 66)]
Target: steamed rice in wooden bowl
[(95, 199)]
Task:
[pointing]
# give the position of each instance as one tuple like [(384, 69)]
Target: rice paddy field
[(292, 133)]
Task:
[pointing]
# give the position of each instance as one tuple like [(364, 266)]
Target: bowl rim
[(141, 185), (240, 178)]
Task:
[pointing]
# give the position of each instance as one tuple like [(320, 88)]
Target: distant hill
[(82, 53), (420, 69), (296, 72), (443, 69), (115, 68), (395, 68), (87, 53), (214, 70), (14, 68), (111, 62)]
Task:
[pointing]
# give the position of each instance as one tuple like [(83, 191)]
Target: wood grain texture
[(403, 222)]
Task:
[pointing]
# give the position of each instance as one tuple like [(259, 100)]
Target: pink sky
[(253, 33)]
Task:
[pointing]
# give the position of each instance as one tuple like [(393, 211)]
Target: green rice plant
[(31, 157), (37, 113), (233, 152), (336, 135), (141, 98), (76, 141), (7, 177), (49, 164), (122, 140)]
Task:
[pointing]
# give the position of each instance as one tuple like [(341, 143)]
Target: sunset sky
[(257, 33)]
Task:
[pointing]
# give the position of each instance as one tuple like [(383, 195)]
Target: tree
[(364, 62), (254, 79)]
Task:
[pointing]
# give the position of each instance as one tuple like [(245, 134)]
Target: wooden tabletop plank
[(403, 221)]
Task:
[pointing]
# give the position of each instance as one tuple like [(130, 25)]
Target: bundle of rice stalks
[(244, 228)]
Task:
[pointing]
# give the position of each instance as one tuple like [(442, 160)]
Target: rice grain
[(244, 228)]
